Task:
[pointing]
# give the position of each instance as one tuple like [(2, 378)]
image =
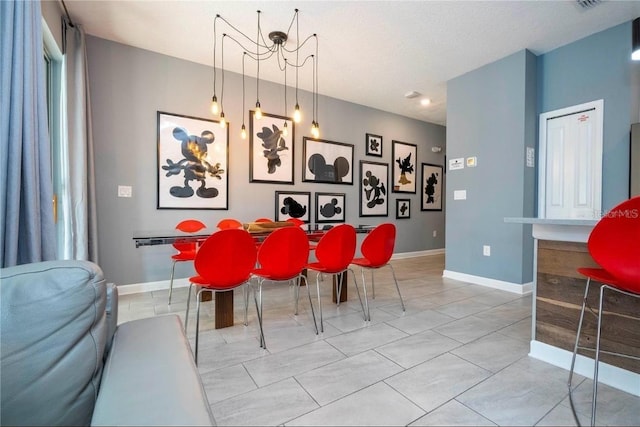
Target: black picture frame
[(176, 186), (293, 204), (374, 184), (330, 207), (404, 168), (403, 208), (373, 145), (271, 153), (327, 162), (431, 187)]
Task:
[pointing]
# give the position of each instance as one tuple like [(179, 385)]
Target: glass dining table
[(224, 299)]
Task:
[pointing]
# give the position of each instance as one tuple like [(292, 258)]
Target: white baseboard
[(516, 288), (182, 283), (610, 375)]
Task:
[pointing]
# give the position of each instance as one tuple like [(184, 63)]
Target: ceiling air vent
[(586, 4)]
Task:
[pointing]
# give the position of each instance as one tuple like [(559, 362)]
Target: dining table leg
[(343, 292), (224, 309)]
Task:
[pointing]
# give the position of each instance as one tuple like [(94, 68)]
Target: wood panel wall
[(559, 294)]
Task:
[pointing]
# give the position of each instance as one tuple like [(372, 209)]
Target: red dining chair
[(229, 223), (296, 221), (281, 258), (263, 220), (223, 262), (334, 253), (186, 250), (614, 244), (377, 249)]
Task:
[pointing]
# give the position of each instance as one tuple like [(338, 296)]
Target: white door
[(570, 178)]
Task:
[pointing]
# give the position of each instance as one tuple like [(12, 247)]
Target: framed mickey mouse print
[(293, 204), (193, 163), (330, 207), (373, 145), (327, 161)]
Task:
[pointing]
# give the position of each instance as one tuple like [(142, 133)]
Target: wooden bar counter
[(560, 248)]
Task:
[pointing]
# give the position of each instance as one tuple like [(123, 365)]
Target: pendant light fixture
[(635, 39), (273, 48)]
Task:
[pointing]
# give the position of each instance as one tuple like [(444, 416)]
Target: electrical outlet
[(486, 250), (435, 233)]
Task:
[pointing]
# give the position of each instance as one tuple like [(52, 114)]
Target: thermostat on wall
[(456, 163)]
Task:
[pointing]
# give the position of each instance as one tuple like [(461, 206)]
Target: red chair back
[(378, 246), (226, 258), (296, 221), (336, 248), (229, 223), (188, 226), (614, 243), (284, 253)]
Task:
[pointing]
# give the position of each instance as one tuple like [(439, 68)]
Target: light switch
[(125, 191), (460, 195)]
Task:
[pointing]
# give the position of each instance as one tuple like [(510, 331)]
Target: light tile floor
[(457, 356)]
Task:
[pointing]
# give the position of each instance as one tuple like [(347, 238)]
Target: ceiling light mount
[(262, 50), (278, 37)]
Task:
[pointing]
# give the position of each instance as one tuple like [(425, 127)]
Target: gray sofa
[(65, 362)]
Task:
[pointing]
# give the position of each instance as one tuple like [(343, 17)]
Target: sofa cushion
[(150, 378), (53, 334)]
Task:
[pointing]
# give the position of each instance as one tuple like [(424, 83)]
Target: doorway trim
[(598, 112)]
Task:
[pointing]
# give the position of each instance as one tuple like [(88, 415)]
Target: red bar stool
[(614, 243), (186, 250)]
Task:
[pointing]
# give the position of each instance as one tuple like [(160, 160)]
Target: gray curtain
[(27, 232), (77, 201)]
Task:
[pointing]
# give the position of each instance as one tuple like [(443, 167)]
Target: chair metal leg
[(373, 285), (575, 351), (393, 272), (186, 317), (319, 302), (173, 270), (365, 312), (259, 313), (306, 283), (246, 288), (197, 322), (597, 359), (296, 293)]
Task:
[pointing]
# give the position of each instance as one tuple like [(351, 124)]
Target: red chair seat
[(186, 250)]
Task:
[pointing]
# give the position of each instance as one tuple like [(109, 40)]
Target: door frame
[(598, 114)]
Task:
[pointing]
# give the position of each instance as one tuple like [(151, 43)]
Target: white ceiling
[(370, 52)]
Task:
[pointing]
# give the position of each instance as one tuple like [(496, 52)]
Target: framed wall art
[(374, 181), (271, 152), (404, 167), (431, 187), (327, 161), (293, 204), (403, 208), (330, 207), (373, 145), (193, 163)]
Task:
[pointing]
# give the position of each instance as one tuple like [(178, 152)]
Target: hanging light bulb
[(243, 132), (297, 115), (314, 130), (317, 130), (214, 105), (285, 129), (223, 121), (258, 113)]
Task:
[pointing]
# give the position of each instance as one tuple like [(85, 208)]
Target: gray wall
[(128, 87), (598, 67), (491, 115)]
